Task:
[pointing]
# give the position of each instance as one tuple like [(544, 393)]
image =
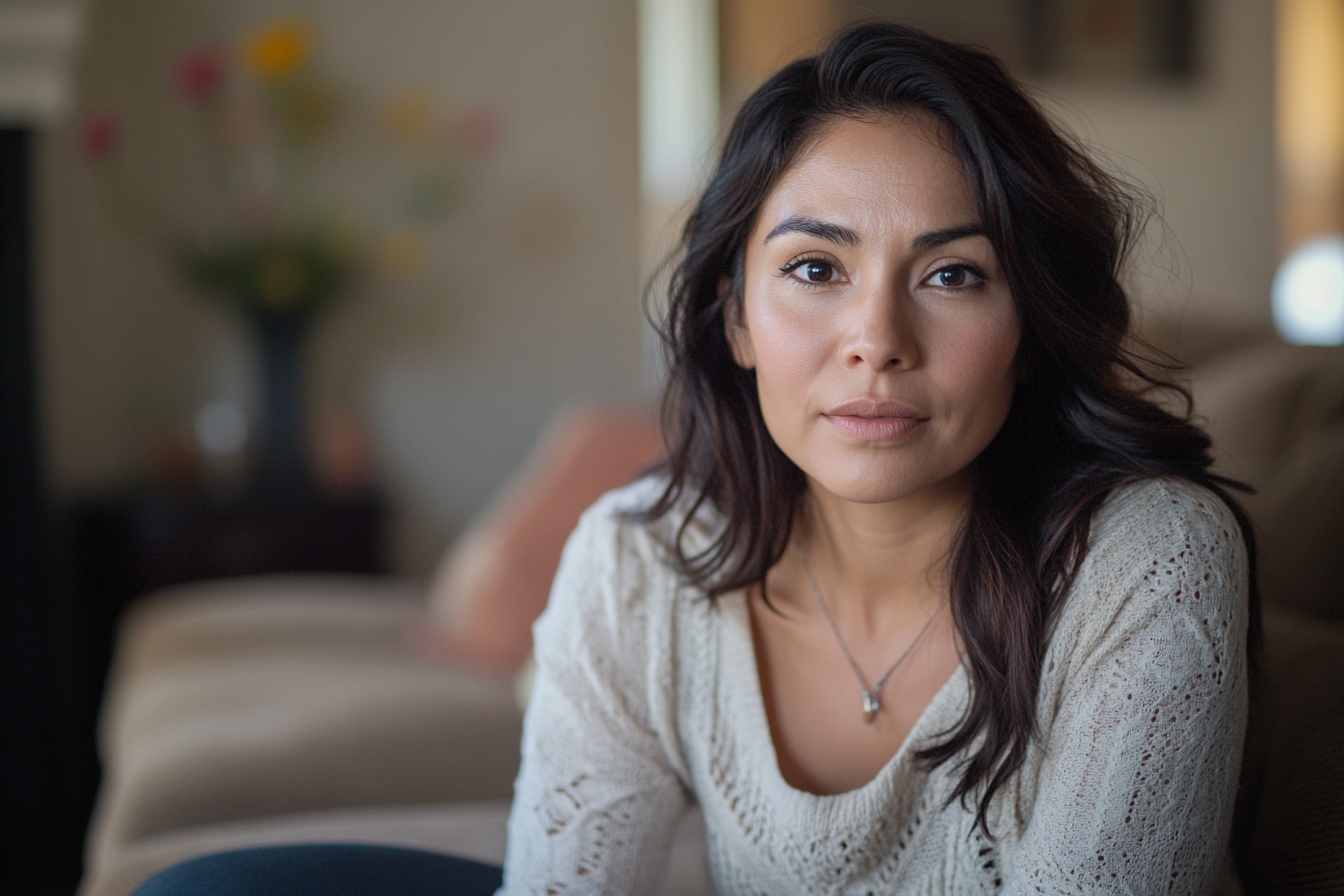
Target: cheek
[(791, 351), (984, 369)]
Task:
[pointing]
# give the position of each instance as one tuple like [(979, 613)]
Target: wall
[(531, 298), (1206, 151)]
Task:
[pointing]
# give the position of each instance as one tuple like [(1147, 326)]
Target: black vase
[(280, 458)]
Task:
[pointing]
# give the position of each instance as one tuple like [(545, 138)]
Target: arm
[(1142, 755), (597, 800)]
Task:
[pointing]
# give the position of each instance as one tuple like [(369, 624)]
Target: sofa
[(333, 708)]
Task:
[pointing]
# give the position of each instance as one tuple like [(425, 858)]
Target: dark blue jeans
[(325, 869)]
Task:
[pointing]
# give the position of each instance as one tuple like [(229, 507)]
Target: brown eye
[(956, 277), (951, 277), (817, 271)]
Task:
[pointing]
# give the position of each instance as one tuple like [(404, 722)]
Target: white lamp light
[(221, 430), (1308, 295)]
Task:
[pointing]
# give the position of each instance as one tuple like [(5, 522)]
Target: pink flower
[(98, 137), (199, 74), (479, 130)]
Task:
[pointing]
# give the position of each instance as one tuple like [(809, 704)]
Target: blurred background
[(297, 285)]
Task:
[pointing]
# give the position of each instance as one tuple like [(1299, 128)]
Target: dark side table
[(134, 543)]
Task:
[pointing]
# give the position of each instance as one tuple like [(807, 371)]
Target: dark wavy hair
[(1084, 417)]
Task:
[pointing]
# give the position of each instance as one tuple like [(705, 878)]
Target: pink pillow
[(495, 581)]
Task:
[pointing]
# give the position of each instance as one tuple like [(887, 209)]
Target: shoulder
[(1164, 553), (614, 530), (1164, 511), (1159, 527), (614, 527), (615, 573)]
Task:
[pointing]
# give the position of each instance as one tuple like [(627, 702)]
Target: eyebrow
[(834, 233), (838, 233), (951, 234)]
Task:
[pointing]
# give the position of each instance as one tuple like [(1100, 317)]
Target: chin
[(871, 489), (884, 483)]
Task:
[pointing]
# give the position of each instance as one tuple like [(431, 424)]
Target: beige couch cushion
[(1300, 522), (226, 619), (266, 612), (1260, 402), (1276, 415)]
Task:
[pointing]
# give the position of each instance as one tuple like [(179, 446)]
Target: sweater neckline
[(743, 686)]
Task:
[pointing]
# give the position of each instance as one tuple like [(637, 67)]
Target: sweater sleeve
[(597, 799), (1147, 712)]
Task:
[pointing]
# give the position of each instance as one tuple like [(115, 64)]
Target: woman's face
[(876, 315)]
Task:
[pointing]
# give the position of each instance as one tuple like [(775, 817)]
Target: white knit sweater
[(647, 697)]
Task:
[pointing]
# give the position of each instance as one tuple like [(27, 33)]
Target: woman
[(931, 596)]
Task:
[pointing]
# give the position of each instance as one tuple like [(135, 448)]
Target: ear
[(735, 328)]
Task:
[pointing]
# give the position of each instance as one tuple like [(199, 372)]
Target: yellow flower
[(279, 49)]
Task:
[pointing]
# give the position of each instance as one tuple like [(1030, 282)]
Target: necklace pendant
[(870, 707)]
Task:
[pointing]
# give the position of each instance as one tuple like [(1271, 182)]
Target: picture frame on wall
[(1104, 41), (1110, 39)]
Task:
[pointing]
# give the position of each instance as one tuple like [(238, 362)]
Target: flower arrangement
[(278, 248), (281, 249)]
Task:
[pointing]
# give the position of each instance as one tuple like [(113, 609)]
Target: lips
[(870, 420)]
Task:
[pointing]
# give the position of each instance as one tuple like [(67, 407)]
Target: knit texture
[(648, 697)]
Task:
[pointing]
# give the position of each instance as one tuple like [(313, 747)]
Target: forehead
[(892, 169)]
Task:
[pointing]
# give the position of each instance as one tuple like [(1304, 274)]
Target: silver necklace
[(871, 703)]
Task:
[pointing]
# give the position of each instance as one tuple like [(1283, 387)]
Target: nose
[(881, 332)]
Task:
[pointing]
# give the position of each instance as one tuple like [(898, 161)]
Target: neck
[(875, 560)]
